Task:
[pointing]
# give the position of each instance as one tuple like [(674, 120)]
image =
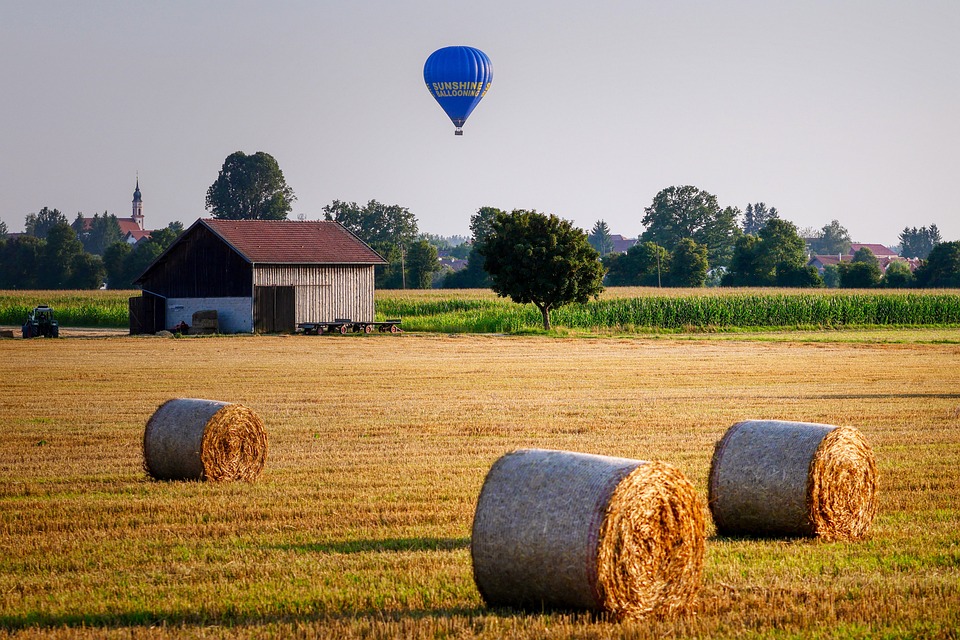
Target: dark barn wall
[(200, 265)]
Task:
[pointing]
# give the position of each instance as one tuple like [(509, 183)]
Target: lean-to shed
[(260, 276)]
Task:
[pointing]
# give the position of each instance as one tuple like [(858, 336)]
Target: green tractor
[(41, 323)]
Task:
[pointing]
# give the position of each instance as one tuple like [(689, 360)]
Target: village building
[(260, 276), (132, 230), (620, 243), (883, 254)]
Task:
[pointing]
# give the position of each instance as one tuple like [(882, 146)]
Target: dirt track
[(78, 332)]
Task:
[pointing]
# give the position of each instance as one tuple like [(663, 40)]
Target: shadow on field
[(388, 544)]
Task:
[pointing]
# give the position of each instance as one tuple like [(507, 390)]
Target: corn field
[(689, 310), (626, 309), (72, 308)]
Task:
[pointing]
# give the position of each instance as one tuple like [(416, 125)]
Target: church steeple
[(137, 205)]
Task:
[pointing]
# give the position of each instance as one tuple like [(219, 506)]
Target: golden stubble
[(360, 520)]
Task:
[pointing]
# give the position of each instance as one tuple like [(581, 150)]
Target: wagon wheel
[(368, 328), (343, 329), (394, 329)]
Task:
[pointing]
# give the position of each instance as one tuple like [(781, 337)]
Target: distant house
[(621, 244), (262, 276), (877, 249), (883, 254)]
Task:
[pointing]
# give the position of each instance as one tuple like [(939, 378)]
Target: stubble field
[(360, 523)]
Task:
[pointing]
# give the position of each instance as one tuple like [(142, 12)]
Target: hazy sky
[(834, 109)]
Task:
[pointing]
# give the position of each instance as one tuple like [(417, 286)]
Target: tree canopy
[(388, 229), (774, 257), (942, 268), (897, 276), (103, 231), (918, 243), (756, 216), (688, 264), (375, 223), (250, 188), (541, 259), (474, 276), (39, 224), (124, 263), (600, 238), (688, 212), (863, 272), (833, 239), (421, 264), (645, 264)]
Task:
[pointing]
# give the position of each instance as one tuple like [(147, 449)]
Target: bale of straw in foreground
[(774, 478), (576, 531), (194, 439)]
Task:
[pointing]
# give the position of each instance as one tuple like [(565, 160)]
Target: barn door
[(147, 314), (274, 309)]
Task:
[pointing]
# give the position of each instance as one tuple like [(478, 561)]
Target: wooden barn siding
[(324, 292), (200, 265)]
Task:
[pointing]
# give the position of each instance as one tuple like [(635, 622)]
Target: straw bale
[(570, 530), (776, 478), (195, 439)]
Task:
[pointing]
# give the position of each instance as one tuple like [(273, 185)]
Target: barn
[(260, 276)]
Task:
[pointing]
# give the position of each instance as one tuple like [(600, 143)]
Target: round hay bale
[(194, 439), (775, 478), (576, 531)]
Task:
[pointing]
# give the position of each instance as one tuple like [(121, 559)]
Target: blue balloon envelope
[(458, 78)]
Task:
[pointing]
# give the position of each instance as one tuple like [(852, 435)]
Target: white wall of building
[(234, 315)]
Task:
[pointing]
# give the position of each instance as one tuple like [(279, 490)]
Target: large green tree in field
[(541, 259), (688, 212), (250, 188)]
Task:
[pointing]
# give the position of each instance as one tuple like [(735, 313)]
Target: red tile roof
[(293, 242), (877, 249), (831, 259)]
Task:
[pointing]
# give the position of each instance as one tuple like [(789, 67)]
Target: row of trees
[(52, 255), (687, 233)]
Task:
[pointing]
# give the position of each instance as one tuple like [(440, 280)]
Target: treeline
[(53, 254), (689, 240)]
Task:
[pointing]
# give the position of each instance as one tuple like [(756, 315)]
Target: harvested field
[(360, 524)]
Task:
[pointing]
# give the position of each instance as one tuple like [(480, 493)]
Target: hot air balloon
[(457, 78)]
